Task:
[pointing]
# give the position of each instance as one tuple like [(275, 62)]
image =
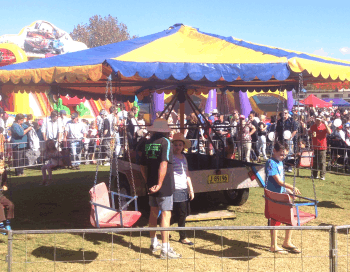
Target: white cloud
[(320, 52), (345, 50)]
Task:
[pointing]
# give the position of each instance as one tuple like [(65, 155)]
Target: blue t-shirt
[(274, 167)]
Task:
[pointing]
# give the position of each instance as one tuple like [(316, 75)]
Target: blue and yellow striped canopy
[(180, 55)]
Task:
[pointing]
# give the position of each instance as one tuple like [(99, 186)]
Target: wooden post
[(182, 118)]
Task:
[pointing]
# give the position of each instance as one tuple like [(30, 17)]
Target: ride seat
[(281, 208), (104, 216)]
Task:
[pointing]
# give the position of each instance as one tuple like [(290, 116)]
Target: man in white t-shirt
[(52, 128), (75, 134)]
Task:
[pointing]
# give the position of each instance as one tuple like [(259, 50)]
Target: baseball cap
[(74, 115), (63, 112)]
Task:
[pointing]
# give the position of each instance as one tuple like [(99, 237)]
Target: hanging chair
[(282, 208), (306, 159), (104, 216)]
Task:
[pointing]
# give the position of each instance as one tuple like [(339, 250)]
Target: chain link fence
[(231, 248)]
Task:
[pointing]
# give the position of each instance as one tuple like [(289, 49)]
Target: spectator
[(86, 141), (245, 130), (221, 127), (106, 138), (183, 185), (131, 128), (75, 133), (193, 132), (157, 171), (63, 118), (283, 124), (33, 152), (254, 136), (29, 120), (52, 128), (92, 134), (19, 143), (99, 122), (319, 133), (262, 127), (142, 132)]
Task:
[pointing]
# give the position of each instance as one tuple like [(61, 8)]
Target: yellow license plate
[(212, 179)]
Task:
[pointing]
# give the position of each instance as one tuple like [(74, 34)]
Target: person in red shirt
[(319, 132)]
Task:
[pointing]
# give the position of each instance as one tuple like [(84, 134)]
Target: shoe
[(77, 168), (290, 170), (3, 233), (322, 178), (156, 248), (171, 254), (8, 227), (189, 243), (107, 164), (293, 249), (315, 177)]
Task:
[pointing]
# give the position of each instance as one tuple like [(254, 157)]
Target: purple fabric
[(158, 104), (290, 100), (211, 101), (246, 108)]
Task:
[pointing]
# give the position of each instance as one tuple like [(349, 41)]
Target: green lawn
[(65, 205)]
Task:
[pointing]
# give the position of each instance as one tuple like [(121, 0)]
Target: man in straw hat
[(157, 170)]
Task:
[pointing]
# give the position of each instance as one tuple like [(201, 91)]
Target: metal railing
[(215, 249)]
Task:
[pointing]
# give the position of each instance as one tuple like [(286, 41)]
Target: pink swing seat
[(306, 160), (281, 208), (103, 216)]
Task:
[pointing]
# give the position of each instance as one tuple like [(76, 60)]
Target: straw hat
[(180, 137), (160, 125)]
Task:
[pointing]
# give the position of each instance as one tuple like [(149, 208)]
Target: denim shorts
[(164, 203)]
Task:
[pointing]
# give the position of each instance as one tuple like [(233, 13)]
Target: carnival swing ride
[(181, 60)]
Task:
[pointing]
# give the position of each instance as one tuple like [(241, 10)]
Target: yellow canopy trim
[(318, 68), (53, 74)]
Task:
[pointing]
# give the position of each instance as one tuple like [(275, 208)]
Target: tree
[(101, 31)]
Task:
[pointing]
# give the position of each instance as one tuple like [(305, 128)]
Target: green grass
[(65, 205)]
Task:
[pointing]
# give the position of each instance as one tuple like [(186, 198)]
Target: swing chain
[(131, 172)]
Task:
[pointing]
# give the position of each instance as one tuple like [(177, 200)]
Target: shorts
[(273, 223), (164, 203)]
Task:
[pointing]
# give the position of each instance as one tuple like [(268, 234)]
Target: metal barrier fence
[(243, 248), (98, 150)]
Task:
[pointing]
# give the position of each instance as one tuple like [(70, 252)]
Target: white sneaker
[(323, 178), (156, 248), (315, 177), (107, 164), (171, 254)]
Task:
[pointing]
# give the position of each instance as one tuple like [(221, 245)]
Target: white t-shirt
[(75, 130), (51, 129), (180, 169)]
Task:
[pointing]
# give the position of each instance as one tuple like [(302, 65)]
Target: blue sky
[(320, 27)]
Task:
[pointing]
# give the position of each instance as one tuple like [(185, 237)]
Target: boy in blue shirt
[(276, 183)]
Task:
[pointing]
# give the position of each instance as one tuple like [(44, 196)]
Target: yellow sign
[(212, 179)]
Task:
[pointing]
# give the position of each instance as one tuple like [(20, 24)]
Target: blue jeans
[(290, 151), (75, 149)]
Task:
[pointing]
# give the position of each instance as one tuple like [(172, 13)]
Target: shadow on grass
[(63, 255), (329, 204)]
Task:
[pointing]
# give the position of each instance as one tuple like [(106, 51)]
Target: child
[(296, 160), (275, 183), (183, 185), (5, 203), (230, 149), (92, 133), (55, 159)]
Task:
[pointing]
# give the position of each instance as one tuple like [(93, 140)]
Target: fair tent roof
[(178, 56)]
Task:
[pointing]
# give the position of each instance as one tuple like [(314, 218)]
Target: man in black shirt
[(157, 170)]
